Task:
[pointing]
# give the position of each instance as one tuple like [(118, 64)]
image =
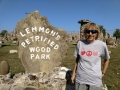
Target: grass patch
[(13, 60)]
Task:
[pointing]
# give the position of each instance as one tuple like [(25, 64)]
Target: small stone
[(4, 67)]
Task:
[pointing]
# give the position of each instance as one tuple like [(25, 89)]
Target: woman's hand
[(73, 78), (103, 75)]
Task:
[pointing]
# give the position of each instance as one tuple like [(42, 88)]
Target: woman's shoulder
[(100, 42), (82, 41)]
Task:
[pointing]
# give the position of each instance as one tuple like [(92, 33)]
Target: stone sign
[(41, 45)]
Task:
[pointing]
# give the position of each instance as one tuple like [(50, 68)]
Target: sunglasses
[(92, 31)]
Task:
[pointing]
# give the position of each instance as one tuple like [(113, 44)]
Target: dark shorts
[(86, 87)]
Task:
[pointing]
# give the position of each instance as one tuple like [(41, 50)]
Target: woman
[(87, 73)]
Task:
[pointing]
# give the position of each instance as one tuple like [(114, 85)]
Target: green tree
[(116, 33), (3, 32), (102, 29)]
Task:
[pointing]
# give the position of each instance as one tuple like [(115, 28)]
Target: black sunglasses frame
[(92, 31)]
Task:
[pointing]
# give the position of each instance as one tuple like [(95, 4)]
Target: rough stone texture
[(73, 38), (13, 51), (55, 38), (5, 87), (0, 43), (82, 22), (110, 41), (8, 37), (58, 79), (0, 38), (4, 67)]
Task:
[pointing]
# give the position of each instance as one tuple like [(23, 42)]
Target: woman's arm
[(74, 71), (105, 66)]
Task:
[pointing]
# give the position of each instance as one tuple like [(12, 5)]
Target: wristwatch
[(103, 73)]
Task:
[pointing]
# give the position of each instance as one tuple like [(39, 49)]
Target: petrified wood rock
[(41, 45)]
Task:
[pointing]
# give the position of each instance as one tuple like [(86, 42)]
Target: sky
[(63, 14)]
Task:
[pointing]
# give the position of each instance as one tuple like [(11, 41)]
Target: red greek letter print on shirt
[(95, 53), (89, 53)]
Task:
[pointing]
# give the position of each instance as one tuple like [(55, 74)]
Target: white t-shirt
[(89, 64)]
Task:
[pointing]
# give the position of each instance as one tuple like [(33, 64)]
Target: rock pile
[(56, 80)]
